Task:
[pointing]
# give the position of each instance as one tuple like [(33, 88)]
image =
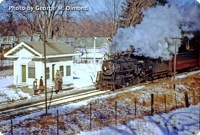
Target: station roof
[(52, 47)]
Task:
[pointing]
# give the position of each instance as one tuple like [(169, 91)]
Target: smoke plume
[(152, 37)]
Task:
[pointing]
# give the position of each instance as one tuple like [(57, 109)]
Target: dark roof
[(52, 47)]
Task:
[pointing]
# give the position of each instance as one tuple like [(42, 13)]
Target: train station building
[(28, 61)]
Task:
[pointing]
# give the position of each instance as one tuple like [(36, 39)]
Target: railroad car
[(185, 61)]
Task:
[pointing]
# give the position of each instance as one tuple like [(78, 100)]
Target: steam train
[(124, 69)]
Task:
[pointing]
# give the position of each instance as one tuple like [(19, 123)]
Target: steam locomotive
[(124, 69)]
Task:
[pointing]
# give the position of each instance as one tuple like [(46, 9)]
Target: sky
[(94, 6)]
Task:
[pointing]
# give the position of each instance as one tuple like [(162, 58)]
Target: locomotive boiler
[(123, 69)]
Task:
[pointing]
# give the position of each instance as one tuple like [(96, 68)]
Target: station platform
[(50, 89)]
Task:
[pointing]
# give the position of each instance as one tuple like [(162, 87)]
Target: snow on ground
[(185, 75), (180, 121), (5, 73), (85, 74), (10, 94), (184, 121)]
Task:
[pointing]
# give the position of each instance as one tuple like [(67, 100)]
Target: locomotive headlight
[(104, 68), (108, 67)]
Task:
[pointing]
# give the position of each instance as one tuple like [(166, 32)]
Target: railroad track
[(72, 96), (28, 107)]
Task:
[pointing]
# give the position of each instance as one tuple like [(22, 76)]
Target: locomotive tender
[(123, 69)]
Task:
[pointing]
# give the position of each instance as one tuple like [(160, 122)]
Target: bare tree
[(116, 12), (65, 23), (132, 11), (108, 12), (112, 11), (50, 14)]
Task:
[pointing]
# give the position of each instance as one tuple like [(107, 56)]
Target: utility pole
[(95, 54), (45, 77), (45, 66), (2, 57), (175, 53)]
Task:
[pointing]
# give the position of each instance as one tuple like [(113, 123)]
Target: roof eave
[(19, 45), (34, 57), (63, 55)]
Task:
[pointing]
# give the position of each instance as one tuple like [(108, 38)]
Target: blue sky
[(94, 7)]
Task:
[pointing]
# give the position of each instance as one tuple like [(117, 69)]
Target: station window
[(31, 69), (68, 70), (31, 72), (47, 72), (61, 70)]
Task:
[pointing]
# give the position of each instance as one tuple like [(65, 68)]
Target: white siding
[(66, 79), (24, 53), (24, 57)]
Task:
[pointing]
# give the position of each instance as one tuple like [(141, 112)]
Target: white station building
[(28, 62)]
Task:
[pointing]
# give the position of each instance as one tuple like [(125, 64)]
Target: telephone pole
[(175, 53), (94, 59), (45, 77)]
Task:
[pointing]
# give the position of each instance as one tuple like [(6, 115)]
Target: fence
[(107, 113)]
